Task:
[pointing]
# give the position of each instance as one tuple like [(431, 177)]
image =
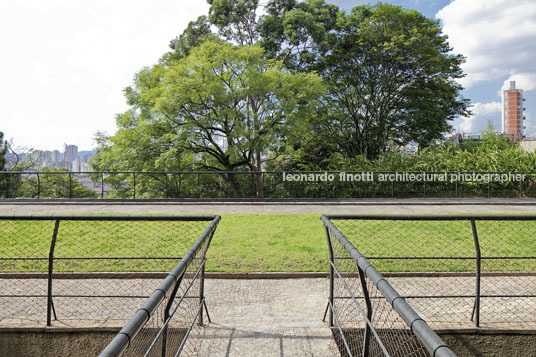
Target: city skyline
[(68, 84)]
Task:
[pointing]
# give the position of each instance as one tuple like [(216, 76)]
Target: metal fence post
[(331, 277), (50, 304), (476, 306), (424, 188), (202, 279), (70, 185), (366, 295), (179, 187), (38, 185), (166, 313), (134, 177), (102, 186), (165, 175), (198, 187)]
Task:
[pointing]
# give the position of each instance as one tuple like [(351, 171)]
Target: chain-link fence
[(367, 315), (88, 270), (169, 322), (455, 271)]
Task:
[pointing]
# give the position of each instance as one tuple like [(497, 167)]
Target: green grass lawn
[(266, 243)]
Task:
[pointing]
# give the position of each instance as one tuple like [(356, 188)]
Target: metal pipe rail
[(170, 286), (431, 341), (252, 184)]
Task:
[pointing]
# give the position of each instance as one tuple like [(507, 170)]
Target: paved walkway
[(267, 318)]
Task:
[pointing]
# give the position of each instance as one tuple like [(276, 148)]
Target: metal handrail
[(123, 339), (431, 341)]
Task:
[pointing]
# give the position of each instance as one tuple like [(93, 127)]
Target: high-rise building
[(70, 154), (55, 158), (512, 113)]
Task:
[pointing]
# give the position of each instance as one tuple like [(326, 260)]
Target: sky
[(65, 63)]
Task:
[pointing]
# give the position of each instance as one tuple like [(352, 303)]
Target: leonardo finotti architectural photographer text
[(370, 176)]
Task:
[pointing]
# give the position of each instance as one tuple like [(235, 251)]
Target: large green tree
[(392, 80), (227, 104)]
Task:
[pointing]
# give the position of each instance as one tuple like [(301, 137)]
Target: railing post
[(165, 174), (202, 259), (70, 185), (179, 187), (50, 306), (134, 177), (102, 185), (476, 306), (456, 182), (424, 188), (366, 295), (166, 313), (38, 185), (331, 276), (198, 187)]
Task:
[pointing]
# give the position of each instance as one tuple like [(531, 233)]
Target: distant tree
[(3, 152), (3, 177)]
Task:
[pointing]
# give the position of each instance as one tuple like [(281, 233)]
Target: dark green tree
[(392, 80), (295, 32)]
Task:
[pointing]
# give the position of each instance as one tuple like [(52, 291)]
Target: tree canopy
[(392, 80), (228, 103), (296, 84)]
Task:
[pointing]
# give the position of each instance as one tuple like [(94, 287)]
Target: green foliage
[(52, 185), (300, 86), (391, 79), (228, 105)]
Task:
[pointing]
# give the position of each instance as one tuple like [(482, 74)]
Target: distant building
[(70, 154), (75, 167), (56, 158), (512, 112), (84, 167)]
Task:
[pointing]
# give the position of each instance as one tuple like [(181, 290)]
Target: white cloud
[(65, 63), (483, 113), (525, 81), (496, 36)]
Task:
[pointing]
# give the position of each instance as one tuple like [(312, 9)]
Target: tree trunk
[(260, 181), (237, 188)]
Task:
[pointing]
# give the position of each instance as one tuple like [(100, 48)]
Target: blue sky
[(69, 60)]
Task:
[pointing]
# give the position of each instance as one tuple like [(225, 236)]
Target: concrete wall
[(492, 345), (91, 343), (52, 344), (528, 145)]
